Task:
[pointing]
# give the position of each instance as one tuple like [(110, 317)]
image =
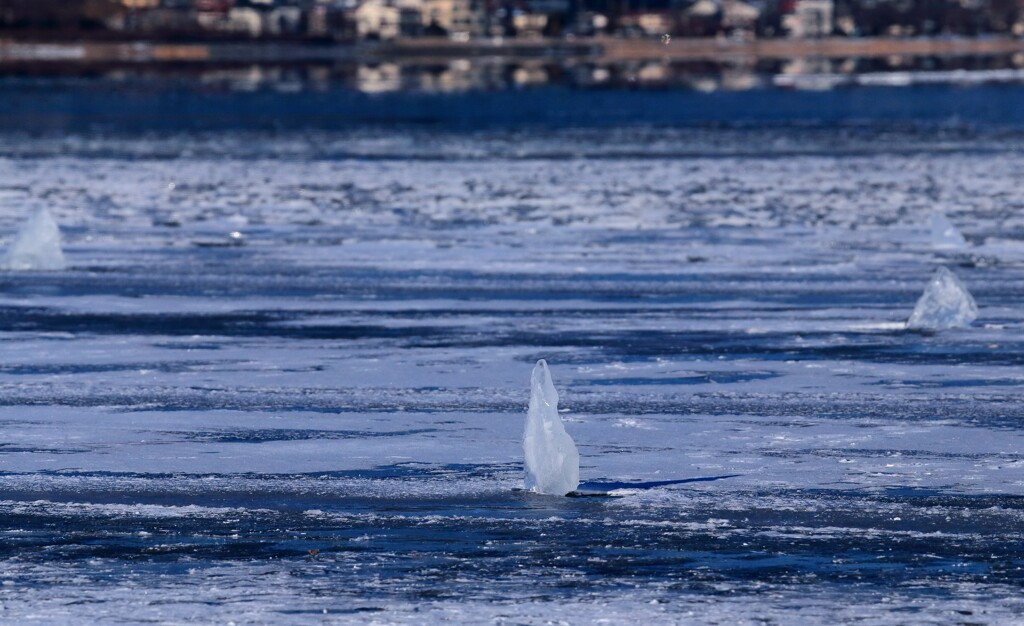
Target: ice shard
[(552, 461), (37, 245), (945, 303), (944, 233)]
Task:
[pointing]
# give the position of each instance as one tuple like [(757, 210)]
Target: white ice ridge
[(552, 461), (37, 246), (945, 303), (944, 233)]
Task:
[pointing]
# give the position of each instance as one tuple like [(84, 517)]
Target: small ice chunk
[(945, 303), (37, 246), (552, 461), (944, 233)]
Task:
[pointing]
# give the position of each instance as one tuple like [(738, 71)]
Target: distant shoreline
[(599, 50)]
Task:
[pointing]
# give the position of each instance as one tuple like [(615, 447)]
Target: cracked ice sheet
[(183, 419)]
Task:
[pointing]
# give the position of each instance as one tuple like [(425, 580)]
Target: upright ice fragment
[(552, 461), (944, 233), (37, 246), (945, 303)]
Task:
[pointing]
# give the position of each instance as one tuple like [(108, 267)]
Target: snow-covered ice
[(552, 460), (36, 246), (945, 303)]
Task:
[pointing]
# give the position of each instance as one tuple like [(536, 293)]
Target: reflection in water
[(491, 74)]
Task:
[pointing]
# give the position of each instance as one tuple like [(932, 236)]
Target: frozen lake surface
[(285, 375)]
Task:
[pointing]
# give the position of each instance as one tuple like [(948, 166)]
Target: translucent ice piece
[(944, 233), (552, 461), (37, 246), (945, 303)]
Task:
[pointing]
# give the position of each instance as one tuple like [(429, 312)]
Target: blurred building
[(810, 18), (459, 19), (389, 19), (462, 20), (740, 18)]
